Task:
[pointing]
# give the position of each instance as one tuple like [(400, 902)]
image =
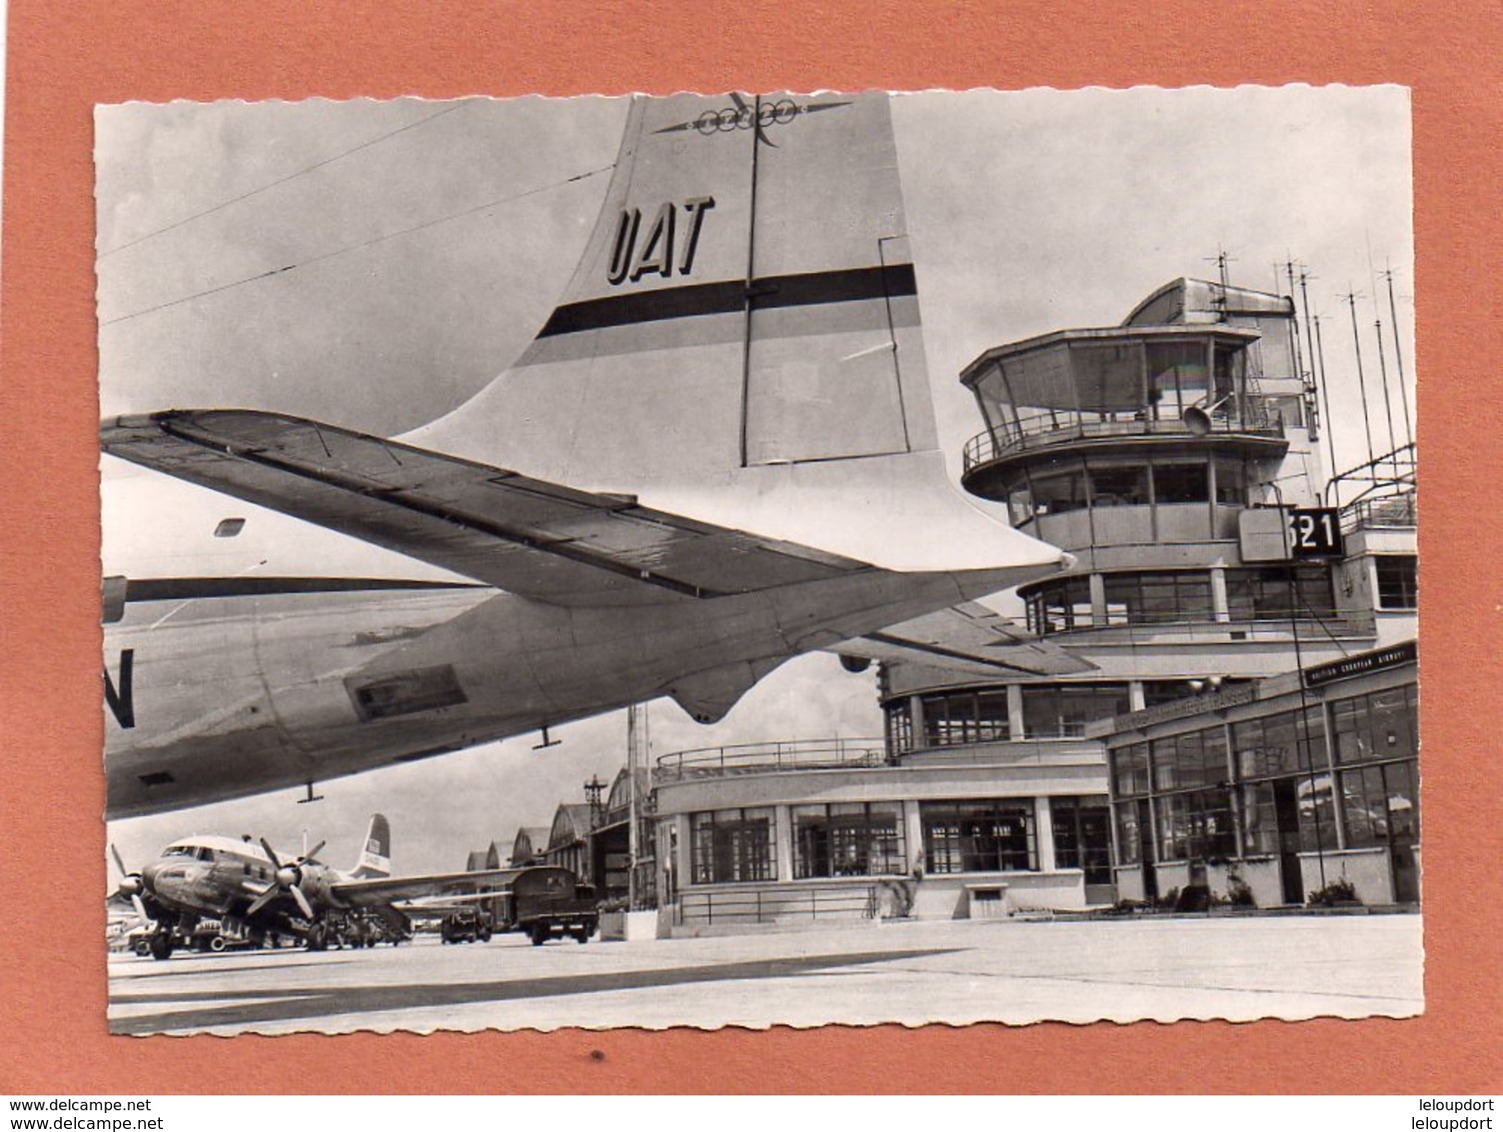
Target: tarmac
[(955, 972)]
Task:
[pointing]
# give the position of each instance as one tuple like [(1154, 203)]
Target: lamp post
[(1303, 726)]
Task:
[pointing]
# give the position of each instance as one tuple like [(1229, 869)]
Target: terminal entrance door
[(1402, 800), (1405, 875), (1146, 838), (1286, 816)]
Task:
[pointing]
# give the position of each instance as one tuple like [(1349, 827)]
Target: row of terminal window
[(1278, 773), (867, 839), (1379, 807), (1095, 483), (1274, 778), (1258, 593), (1049, 711)]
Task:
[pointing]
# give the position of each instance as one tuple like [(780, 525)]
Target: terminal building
[(1243, 719)]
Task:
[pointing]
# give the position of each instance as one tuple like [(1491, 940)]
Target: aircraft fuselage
[(210, 697)]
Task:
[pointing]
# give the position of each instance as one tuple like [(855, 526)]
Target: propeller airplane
[(257, 893)]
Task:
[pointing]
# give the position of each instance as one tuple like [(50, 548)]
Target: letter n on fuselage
[(121, 701)]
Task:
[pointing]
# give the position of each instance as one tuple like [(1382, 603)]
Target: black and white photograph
[(759, 559)]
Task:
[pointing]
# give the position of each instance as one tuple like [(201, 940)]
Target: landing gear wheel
[(581, 935), (539, 935), (318, 938), (161, 945)]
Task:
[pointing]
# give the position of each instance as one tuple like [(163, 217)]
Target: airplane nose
[(163, 878)]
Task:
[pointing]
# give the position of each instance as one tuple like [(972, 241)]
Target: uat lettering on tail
[(719, 452)]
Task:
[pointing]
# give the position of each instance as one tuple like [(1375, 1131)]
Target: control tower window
[(1177, 378), (1058, 607), (1231, 481), (1181, 483), (1273, 593), (1119, 487), (1398, 581), (1230, 371), (1058, 491), (1019, 504), (1109, 378), (1158, 597), (1283, 409)]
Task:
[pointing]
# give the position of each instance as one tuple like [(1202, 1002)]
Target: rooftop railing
[(764, 758), (1399, 510), (1069, 426)]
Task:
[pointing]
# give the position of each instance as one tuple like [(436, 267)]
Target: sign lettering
[(635, 254), (1314, 532)]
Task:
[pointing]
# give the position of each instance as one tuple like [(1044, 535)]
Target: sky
[(375, 264)]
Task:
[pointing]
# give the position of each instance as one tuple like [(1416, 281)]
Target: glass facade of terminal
[(1267, 787)]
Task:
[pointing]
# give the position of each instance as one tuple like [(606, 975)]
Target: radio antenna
[(1350, 298)]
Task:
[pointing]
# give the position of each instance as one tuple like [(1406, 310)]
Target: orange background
[(66, 56)]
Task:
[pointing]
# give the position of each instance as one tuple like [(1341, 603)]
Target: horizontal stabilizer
[(537, 539), (969, 638)]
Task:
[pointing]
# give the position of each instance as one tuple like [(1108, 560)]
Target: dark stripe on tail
[(811, 289)]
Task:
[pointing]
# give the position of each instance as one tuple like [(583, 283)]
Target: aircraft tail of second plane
[(375, 854)]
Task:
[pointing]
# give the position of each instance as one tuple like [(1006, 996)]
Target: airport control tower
[(1177, 457)]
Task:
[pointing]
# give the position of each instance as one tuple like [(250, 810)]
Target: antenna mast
[(1398, 356), (1351, 298), (1306, 378)]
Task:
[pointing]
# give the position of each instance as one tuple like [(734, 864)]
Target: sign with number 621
[(1314, 532)]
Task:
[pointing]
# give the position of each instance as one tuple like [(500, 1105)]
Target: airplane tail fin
[(375, 855), (747, 298), (740, 342)]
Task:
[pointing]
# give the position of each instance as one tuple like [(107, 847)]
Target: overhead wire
[(282, 180), (356, 247)]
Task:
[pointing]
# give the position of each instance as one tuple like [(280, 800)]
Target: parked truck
[(547, 902)]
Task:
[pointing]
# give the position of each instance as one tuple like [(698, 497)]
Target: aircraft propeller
[(288, 878), (131, 885)]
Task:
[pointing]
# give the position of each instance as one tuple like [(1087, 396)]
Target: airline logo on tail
[(743, 116), (655, 254), (375, 857)]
